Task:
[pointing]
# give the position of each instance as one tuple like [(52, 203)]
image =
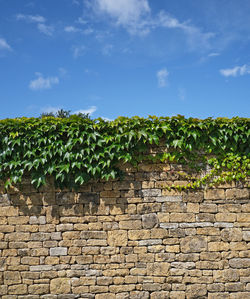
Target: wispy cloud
[(47, 30), (71, 29), (31, 18), (89, 111), (136, 17), (4, 45), (78, 51), (39, 20), (213, 54), (236, 71), (162, 76), (195, 36), (41, 82), (107, 49)]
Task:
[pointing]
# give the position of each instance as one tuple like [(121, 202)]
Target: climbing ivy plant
[(74, 150)]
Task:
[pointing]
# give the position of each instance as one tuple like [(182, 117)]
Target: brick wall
[(125, 239)]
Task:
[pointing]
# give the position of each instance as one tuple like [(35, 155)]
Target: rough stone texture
[(130, 239)]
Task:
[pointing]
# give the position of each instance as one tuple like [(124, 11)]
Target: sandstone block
[(237, 193), (145, 208), (60, 286), (18, 289), (177, 295), (226, 275), (193, 244), (163, 217), (234, 287), (246, 235), (12, 277), (182, 217), (196, 290), (118, 238), (227, 217), (130, 224), (158, 233), (93, 235), (39, 289), (239, 263), (231, 234), (218, 246), (158, 269), (8, 211), (214, 194), (140, 234)]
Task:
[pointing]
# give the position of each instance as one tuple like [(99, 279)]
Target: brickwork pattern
[(125, 239)]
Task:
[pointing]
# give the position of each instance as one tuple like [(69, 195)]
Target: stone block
[(227, 275), (130, 224), (149, 220), (196, 290), (18, 289), (118, 238), (231, 234), (38, 289), (193, 244), (239, 263), (57, 251), (60, 286), (237, 193), (214, 194), (158, 269)]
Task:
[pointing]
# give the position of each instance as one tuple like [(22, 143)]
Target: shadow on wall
[(52, 203)]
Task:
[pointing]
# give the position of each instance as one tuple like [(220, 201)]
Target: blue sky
[(125, 57)]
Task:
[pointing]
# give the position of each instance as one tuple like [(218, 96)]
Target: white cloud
[(48, 30), (135, 16), (195, 36), (127, 13), (39, 20), (41, 82), (106, 118), (236, 71), (4, 45), (89, 111), (214, 54), (70, 29), (107, 49), (78, 51), (31, 18), (81, 21), (162, 76)]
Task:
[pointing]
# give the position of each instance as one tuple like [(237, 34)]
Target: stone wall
[(125, 239)]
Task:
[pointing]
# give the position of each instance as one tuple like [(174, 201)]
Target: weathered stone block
[(239, 263), (130, 224), (118, 238), (38, 289), (58, 251), (193, 244), (149, 220), (60, 286), (158, 269)]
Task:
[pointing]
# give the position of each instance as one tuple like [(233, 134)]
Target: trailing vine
[(75, 149)]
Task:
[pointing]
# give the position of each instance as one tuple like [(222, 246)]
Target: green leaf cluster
[(75, 149)]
